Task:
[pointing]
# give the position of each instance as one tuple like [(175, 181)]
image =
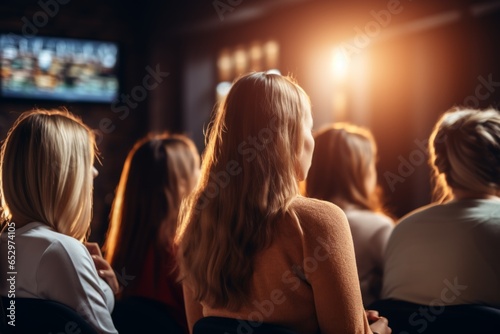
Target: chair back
[(221, 325), (32, 315), (133, 315), (410, 318)]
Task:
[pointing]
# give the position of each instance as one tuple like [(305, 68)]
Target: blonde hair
[(464, 152), (46, 171), (248, 180), (341, 163), (160, 170)]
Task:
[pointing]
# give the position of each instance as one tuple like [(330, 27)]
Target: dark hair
[(158, 173)]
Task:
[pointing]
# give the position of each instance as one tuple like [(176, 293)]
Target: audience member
[(343, 172), (249, 246), (159, 172), (447, 253), (46, 189)]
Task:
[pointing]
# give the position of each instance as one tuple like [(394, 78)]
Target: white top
[(54, 266), (370, 233), (446, 254)]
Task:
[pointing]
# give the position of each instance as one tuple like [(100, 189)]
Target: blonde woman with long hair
[(449, 251), (158, 173), (343, 172), (46, 190), (250, 247)]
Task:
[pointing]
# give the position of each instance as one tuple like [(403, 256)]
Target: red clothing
[(167, 290)]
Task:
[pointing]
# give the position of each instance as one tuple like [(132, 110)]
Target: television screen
[(58, 69)]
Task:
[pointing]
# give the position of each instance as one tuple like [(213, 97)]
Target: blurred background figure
[(159, 172), (448, 251), (343, 172)]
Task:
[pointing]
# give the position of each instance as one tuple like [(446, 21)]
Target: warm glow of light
[(271, 51), (240, 60), (256, 51), (225, 65), (339, 106), (255, 54), (274, 71), (340, 64), (223, 89), (272, 47)]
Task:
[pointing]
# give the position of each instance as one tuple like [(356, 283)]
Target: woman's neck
[(459, 194), (20, 222)]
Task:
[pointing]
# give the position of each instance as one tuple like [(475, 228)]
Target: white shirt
[(446, 254), (54, 266), (370, 233)]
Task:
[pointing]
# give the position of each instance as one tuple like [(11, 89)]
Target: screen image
[(58, 69)]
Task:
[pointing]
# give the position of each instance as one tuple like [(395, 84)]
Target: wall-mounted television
[(51, 68)]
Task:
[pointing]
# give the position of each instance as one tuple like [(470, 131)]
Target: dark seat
[(133, 315), (43, 316), (411, 318), (220, 325)]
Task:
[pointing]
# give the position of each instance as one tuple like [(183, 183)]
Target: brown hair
[(341, 163), (158, 173)]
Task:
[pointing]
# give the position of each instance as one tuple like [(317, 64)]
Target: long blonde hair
[(46, 171), (464, 152), (248, 180), (342, 159), (160, 170)]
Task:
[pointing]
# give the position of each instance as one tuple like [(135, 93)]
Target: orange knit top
[(306, 280)]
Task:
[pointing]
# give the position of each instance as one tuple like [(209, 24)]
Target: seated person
[(46, 189), (343, 172), (250, 247), (448, 252), (158, 173)]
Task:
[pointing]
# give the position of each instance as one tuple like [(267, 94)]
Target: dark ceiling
[(111, 18)]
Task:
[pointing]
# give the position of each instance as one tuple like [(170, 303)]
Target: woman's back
[(159, 282), (370, 233), (54, 266), (307, 278), (446, 253)]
